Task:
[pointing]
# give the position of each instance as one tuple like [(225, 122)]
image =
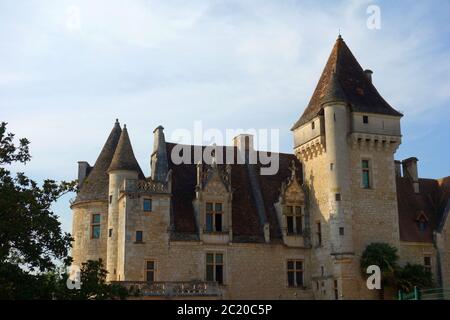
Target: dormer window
[(214, 213), (422, 221), (365, 119), (294, 224)]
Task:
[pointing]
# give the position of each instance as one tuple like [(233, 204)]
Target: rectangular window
[(95, 226), (214, 267), (365, 119), (338, 197), (110, 199), (427, 263), (336, 290), (294, 224), (110, 233), (341, 231), (295, 273), (319, 234), (150, 270), (147, 205), (313, 125), (139, 236), (214, 215), (365, 167)]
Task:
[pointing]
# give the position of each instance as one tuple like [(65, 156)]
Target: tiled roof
[(431, 202), (124, 158), (357, 89), (95, 186), (246, 222)]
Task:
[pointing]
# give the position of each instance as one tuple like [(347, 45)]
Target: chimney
[(398, 168), (368, 74), (244, 144), (159, 162), (83, 170), (410, 171)]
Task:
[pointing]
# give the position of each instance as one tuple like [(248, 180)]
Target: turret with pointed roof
[(95, 186), (124, 158), (344, 78)]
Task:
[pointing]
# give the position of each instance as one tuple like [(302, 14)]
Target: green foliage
[(31, 239), (93, 284), (401, 278), (413, 275)]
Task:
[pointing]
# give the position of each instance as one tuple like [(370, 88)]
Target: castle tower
[(90, 220), (123, 166), (346, 139)]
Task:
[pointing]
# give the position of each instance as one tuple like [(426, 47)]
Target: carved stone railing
[(172, 289), (144, 186)]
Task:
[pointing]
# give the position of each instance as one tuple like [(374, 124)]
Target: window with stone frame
[(215, 267), (150, 271), (147, 205), (214, 217), (95, 226), (319, 233), (427, 263), (294, 222), (295, 273), (365, 174)]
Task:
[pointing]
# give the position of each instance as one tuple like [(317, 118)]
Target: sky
[(68, 69)]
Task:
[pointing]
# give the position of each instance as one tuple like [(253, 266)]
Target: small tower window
[(313, 125), (139, 236), (110, 233), (338, 197), (95, 226), (365, 119), (319, 234), (110, 199), (147, 205), (365, 174), (341, 231), (427, 263)]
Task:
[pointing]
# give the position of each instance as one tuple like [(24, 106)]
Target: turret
[(124, 166)]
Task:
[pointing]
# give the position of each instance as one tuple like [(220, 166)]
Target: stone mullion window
[(295, 273), (294, 220), (150, 271), (214, 267), (214, 217)]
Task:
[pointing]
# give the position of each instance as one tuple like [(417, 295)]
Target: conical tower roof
[(96, 184), (124, 158), (357, 89)]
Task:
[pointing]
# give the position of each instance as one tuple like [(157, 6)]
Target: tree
[(413, 275), (31, 239), (384, 256), (93, 285)]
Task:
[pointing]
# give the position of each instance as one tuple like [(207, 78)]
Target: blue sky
[(231, 64)]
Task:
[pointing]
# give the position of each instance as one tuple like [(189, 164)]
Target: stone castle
[(226, 231)]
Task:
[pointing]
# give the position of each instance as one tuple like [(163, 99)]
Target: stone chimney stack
[(398, 168), (244, 144), (410, 171), (159, 162), (83, 170), (368, 74)]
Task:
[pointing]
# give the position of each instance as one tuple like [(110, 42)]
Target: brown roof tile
[(357, 90)]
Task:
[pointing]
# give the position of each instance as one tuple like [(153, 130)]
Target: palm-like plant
[(384, 256)]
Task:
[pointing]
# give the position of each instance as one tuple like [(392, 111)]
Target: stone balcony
[(176, 289)]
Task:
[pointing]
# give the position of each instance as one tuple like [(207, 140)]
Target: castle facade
[(226, 231)]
